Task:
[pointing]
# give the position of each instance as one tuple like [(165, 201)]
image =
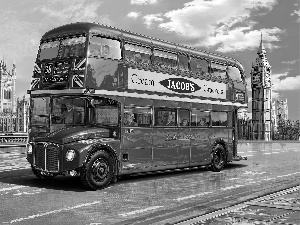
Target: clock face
[(255, 79)]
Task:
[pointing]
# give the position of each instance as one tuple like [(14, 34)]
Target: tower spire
[(261, 49)]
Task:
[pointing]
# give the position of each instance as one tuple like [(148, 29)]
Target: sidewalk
[(10, 147), (13, 159)]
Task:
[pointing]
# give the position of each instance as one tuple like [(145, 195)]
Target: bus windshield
[(39, 114), (67, 111), (69, 47)]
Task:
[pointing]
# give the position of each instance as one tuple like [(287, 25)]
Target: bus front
[(67, 120)]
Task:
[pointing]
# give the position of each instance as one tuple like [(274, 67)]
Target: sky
[(229, 27)]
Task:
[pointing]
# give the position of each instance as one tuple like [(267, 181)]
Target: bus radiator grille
[(46, 158)]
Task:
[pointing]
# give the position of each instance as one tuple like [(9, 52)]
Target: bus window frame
[(155, 114), (131, 108), (135, 44), (209, 124), (189, 117), (166, 68), (219, 111), (188, 70), (121, 46)]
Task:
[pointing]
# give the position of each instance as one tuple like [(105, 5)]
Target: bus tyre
[(218, 158), (42, 175), (98, 171)]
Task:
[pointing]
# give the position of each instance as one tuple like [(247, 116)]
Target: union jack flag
[(37, 69), (77, 81), (79, 65), (35, 83)]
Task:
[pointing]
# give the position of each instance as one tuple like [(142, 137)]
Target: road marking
[(267, 153), (247, 155), (232, 187), (12, 188), (193, 196), (140, 211), (54, 211)]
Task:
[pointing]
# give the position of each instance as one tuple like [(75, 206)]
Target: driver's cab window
[(68, 111)]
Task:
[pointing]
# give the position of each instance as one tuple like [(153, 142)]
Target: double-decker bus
[(106, 102)]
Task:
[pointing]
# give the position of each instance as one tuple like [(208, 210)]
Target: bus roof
[(85, 27)]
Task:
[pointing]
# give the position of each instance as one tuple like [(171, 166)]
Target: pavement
[(13, 158)]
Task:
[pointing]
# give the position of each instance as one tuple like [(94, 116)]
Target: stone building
[(13, 111), (261, 96)]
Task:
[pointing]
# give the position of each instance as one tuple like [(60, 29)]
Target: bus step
[(238, 158)]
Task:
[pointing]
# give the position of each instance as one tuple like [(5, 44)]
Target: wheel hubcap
[(100, 170), (218, 159)]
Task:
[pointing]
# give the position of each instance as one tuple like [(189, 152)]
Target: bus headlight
[(70, 155), (29, 149)]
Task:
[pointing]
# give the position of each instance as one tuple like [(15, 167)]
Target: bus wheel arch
[(218, 157), (98, 171)]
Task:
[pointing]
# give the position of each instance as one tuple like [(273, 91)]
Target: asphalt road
[(165, 198)]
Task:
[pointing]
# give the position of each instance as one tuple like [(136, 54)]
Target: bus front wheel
[(98, 171), (218, 158)]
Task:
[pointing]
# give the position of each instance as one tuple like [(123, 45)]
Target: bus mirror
[(91, 103)]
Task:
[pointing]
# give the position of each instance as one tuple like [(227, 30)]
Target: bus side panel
[(164, 148), (137, 145), (200, 146), (183, 147)]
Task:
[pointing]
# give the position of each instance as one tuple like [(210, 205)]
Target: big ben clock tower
[(261, 96)]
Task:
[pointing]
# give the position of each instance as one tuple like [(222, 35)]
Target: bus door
[(165, 137), (137, 139)]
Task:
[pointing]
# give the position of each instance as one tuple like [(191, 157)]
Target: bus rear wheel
[(218, 158), (98, 171)]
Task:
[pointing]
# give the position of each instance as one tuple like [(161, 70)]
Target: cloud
[(281, 82), (208, 23), (143, 2), (151, 18), (275, 95), (291, 62), (18, 38), (79, 11), (297, 13), (243, 38), (133, 15)]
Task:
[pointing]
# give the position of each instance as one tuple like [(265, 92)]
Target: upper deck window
[(165, 60), (137, 54), (104, 48), (199, 66), (49, 50), (73, 47), (234, 73), (183, 63), (218, 70)]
